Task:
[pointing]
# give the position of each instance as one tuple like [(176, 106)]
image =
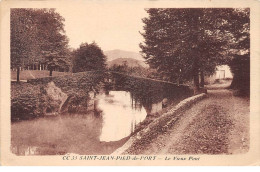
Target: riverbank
[(216, 125)]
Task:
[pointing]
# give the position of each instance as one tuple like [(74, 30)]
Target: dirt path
[(216, 125)]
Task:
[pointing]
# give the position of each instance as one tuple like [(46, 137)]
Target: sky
[(111, 27)]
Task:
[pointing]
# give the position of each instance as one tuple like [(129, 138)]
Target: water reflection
[(120, 115), (25, 150)]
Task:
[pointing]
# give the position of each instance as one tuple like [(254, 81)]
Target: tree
[(53, 41), (183, 43), (23, 37), (240, 50), (88, 57), (38, 36)]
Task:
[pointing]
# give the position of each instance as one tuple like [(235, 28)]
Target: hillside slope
[(115, 54), (128, 61)]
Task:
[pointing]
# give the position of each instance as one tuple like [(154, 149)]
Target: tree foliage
[(181, 43), (240, 50), (88, 57), (23, 36), (38, 36), (53, 41)]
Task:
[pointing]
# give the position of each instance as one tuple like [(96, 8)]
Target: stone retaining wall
[(158, 126)]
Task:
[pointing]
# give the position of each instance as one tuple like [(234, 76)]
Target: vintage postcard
[(130, 82)]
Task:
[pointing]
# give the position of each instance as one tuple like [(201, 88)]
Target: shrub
[(27, 101)]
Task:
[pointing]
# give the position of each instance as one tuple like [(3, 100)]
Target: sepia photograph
[(119, 82)]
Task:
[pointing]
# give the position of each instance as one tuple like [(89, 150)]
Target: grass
[(32, 74)]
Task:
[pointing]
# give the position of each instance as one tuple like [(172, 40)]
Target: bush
[(27, 101)]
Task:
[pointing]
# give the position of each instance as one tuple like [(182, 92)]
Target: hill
[(115, 54), (129, 61)]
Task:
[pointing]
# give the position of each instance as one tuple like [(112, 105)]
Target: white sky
[(111, 27)]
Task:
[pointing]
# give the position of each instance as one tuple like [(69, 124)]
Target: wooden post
[(202, 82), (18, 74), (196, 83), (51, 69)]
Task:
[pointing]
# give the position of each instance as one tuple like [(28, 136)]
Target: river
[(101, 131)]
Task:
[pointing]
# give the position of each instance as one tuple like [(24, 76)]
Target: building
[(223, 72)]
